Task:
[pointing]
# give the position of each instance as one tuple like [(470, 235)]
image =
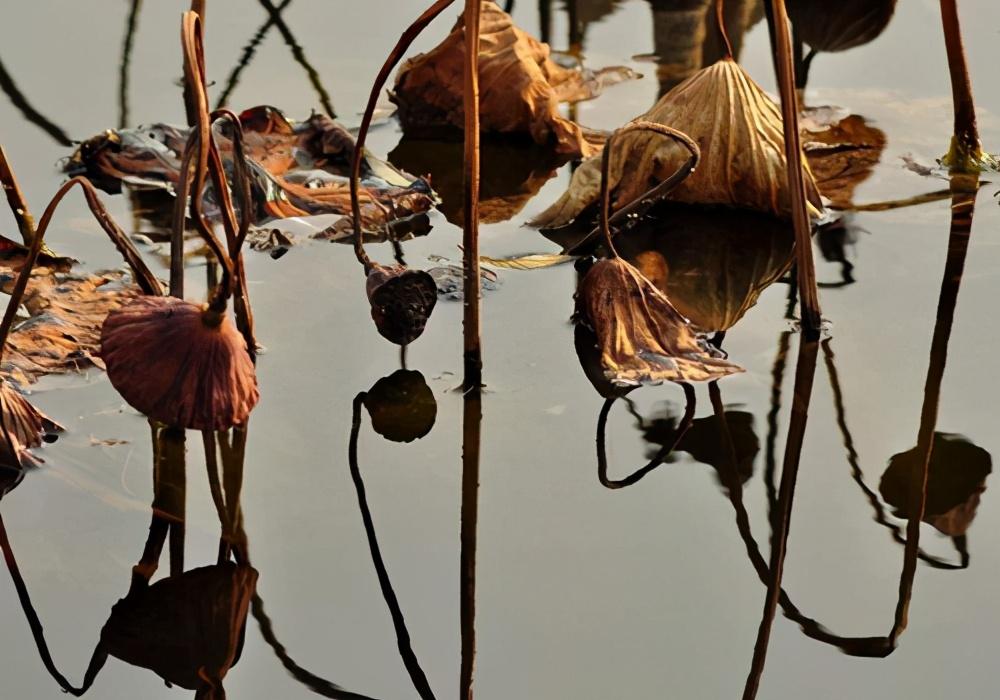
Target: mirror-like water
[(580, 592)]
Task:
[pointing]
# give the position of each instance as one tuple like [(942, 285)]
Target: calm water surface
[(582, 592)]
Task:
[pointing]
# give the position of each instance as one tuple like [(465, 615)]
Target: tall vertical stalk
[(472, 420), (808, 294), (473, 351), (966, 149)]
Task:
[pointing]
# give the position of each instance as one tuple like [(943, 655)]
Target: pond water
[(580, 591)]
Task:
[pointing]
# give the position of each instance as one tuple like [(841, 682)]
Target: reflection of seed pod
[(179, 363), (23, 427), (402, 300), (188, 629), (402, 406), (955, 479), (839, 26), (10, 478)]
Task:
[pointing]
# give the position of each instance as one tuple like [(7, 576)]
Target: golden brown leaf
[(520, 88), (842, 156), (22, 427), (642, 337), (739, 131)]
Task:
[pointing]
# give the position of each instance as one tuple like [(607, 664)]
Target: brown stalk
[(966, 149), (142, 274), (15, 198), (660, 190), (395, 56), (471, 324), (472, 421), (808, 295)]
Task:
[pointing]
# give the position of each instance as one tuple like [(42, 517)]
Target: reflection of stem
[(809, 297), (410, 661), (770, 450), (805, 371), (472, 420), (545, 20), (247, 56), (315, 683), (658, 458), (9, 87), (130, 26), (300, 57)]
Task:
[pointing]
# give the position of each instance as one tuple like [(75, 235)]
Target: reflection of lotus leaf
[(704, 440), (402, 407), (188, 629), (956, 478), (711, 263), (511, 174), (839, 26)]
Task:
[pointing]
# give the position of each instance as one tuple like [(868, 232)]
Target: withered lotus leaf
[(842, 155), (188, 629), (642, 337), (401, 406), (739, 131), (23, 428), (176, 364), (520, 88), (401, 301), (839, 26)]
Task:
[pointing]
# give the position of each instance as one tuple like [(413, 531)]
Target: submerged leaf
[(642, 337), (520, 88), (739, 131)]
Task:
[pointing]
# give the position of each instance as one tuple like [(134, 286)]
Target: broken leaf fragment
[(521, 88), (739, 131), (643, 339), (23, 427)]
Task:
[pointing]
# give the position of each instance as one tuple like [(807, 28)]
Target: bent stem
[(410, 661), (15, 198), (144, 277), (808, 294), (966, 152), (658, 459), (471, 323), (395, 56), (658, 192)]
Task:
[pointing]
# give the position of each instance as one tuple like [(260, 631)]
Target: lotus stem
[(660, 190), (658, 459), (720, 16), (178, 225), (966, 150), (410, 661), (15, 198), (395, 56), (471, 324), (812, 319), (141, 273)]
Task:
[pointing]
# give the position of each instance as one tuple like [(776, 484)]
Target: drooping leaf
[(520, 88), (739, 131)]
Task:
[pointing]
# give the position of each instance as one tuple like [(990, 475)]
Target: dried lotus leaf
[(643, 339), (23, 427), (739, 130), (520, 88)]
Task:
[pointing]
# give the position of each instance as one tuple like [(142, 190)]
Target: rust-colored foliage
[(739, 131), (188, 629), (842, 155), (642, 337), (521, 88), (180, 363), (401, 300), (828, 26), (22, 427)]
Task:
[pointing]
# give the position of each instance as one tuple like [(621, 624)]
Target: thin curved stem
[(407, 38), (409, 658), (721, 18), (661, 190), (658, 458), (142, 274), (16, 200)]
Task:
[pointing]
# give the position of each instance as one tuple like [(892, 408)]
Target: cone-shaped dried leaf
[(955, 481), (739, 131), (642, 337), (402, 406), (23, 427), (169, 364), (402, 301), (188, 629), (520, 88), (842, 25)]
